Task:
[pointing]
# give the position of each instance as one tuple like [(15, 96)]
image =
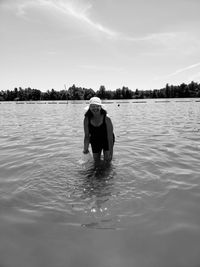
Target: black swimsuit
[(98, 137)]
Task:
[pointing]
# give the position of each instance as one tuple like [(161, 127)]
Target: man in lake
[(98, 130)]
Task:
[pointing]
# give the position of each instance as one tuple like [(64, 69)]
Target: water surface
[(142, 210)]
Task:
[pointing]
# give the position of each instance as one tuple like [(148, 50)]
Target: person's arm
[(86, 136), (109, 126)]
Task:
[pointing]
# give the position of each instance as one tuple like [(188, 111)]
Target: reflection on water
[(142, 208), (96, 185)]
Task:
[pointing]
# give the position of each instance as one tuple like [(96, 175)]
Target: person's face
[(95, 108)]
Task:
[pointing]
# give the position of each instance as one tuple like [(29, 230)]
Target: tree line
[(78, 93)]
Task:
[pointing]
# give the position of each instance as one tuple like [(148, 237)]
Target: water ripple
[(156, 160)]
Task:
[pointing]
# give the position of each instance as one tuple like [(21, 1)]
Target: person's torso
[(98, 132)]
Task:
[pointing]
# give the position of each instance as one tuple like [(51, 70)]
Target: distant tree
[(137, 93), (15, 93), (2, 96), (118, 94), (53, 95), (167, 91), (88, 93), (126, 93), (36, 94), (109, 94), (101, 93), (75, 93), (148, 94), (155, 93), (182, 90), (63, 95), (78, 93), (193, 89)]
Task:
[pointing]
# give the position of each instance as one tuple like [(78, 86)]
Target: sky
[(140, 44)]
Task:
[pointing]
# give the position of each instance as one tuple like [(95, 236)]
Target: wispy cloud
[(183, 69), (78, 10), (81, 11), (154, 37)]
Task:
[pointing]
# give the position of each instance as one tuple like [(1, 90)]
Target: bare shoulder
[(108, 119), (85, 120)]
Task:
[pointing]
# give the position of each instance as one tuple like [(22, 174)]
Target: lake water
[(141, 211)]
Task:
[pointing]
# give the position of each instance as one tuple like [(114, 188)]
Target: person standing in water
[(98, 129)]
